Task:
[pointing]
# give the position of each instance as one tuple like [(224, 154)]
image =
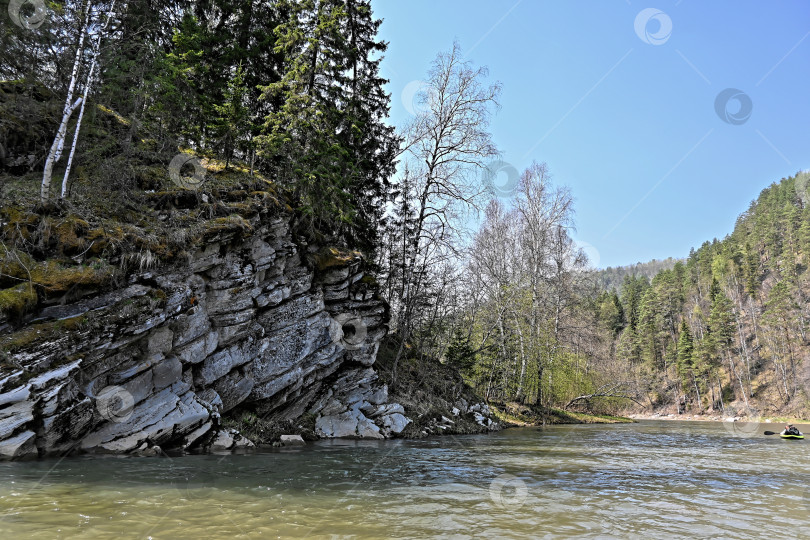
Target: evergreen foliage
[(290, 88), (729, 322)]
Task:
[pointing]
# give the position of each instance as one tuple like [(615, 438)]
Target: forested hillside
[(113, 113), (728, 325), (723, 331)]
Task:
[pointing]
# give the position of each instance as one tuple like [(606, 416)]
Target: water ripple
[(653, 479)]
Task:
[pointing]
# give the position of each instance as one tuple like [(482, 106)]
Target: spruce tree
[(684, 358), (460, 354), (329, 139), (231, 127)]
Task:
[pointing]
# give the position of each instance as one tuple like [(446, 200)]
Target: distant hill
[(611, 278), (727, 330)]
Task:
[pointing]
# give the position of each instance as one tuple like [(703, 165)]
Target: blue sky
[(628, 120)]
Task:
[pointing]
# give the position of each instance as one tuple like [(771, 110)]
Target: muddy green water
[(651, 479)]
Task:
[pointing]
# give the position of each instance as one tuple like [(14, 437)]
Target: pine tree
[(184, 101), (628, 348), (751, 270), (721, 320), (460, 355), (648, 329), (610, 312), (804, 236), (231, 126), (685, 361)]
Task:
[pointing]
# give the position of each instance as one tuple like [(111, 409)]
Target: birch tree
[(95, 30), (87, 85), (446, 146), (59, 141)]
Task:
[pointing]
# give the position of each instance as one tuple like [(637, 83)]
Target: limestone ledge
[(249, 324)]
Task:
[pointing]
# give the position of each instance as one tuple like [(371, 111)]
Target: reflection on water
[(653, 479)]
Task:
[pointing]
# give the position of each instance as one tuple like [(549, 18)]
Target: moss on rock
[(15, 301), (333, 257)]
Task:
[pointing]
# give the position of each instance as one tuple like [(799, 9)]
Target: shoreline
[(717, 418), (515, 415)]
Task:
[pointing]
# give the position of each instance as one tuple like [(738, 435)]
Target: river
[(649, 479)]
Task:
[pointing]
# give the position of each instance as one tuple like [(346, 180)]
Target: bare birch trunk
[(59, 141), (88, 83), (76, 132)]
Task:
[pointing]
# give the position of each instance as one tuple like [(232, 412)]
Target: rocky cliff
[(256, 322)]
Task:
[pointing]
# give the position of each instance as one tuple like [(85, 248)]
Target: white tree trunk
[(76, 132), (87, 85), (56, 151), (59, 142)]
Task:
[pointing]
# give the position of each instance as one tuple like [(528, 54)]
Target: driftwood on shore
[(607, 391)]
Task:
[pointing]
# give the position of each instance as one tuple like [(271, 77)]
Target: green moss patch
[(53, 276), (15, 301)]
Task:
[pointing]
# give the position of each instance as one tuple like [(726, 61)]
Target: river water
[(650, 479)]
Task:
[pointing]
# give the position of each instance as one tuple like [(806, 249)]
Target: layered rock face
[(249, 322)]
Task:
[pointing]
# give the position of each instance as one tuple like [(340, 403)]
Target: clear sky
[(621, 104)]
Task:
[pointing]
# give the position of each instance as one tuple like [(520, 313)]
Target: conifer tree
[(460, 354), (685, 361), (328, 138), (231, 126)]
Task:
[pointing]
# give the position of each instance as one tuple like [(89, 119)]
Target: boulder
[(336, 426), (292, 440), (19, 446), (394, 423)]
